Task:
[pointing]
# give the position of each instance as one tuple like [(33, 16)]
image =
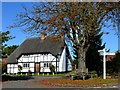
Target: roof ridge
[(32, 38), (48, 37)]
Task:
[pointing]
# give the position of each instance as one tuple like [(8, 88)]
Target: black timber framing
[(57, 60)]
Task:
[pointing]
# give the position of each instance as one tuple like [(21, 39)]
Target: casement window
[(47, 65), (26, 65)]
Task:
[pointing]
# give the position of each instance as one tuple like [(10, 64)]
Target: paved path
[(25, 83)]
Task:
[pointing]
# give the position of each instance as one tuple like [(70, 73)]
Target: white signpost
[(104, 63)]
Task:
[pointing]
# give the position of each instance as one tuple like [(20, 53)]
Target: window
[(44, 64), (47, 64), (26, 65)]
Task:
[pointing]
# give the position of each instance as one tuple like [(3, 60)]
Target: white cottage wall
[(36, 58), (69, 65), (62, 63), (12, 68)]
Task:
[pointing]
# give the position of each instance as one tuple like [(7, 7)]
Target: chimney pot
[(43, 35)]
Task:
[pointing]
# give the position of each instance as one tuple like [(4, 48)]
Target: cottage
[(37, 54)]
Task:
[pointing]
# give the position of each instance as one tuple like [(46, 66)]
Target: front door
[(37, 67)]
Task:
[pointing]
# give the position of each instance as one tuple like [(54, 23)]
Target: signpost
[(104, 63)]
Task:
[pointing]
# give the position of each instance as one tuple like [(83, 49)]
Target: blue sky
[(11, 9)]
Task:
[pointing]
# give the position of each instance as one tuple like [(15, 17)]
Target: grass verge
[(89, 82)]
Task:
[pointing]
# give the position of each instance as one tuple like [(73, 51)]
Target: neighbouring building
[(110, 56), (37, 54), (4, 59)]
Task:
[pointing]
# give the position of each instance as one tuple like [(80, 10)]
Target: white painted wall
[(62, 63), (12, 68), (63, 60), (69, 65)]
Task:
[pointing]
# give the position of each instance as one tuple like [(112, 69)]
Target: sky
[(11, 9)]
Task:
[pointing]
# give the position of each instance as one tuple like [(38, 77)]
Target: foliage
[(3, 67), (69, 74), (113, 66), (93, 72), (29, 72), (9, 49), (52, 68), (93, 58), (19, 68), (4, 37), (76, 63), (0, 64)]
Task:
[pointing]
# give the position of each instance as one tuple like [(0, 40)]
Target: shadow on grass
[(77, 77), (15, 78)]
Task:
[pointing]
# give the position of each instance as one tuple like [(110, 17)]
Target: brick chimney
[(62, 34), (43, 35)]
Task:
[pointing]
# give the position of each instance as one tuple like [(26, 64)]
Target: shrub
[(29, 72), (19, 68), (94, 73), (52, 68)]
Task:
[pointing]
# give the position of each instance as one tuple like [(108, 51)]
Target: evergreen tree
[(4, 37), (93, 59), (9, 49), (113, 66)]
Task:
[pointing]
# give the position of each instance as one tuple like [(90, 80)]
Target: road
[(26, 83), (34, 82)]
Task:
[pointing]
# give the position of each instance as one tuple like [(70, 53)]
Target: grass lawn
[(89, 82)]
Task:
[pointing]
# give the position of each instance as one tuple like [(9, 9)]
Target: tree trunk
[(82, 60)]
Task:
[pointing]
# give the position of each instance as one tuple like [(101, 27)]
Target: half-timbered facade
[(37, 54)]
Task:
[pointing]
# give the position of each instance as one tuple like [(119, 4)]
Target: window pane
[(23, 65), (44, 64), (47, 64)]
